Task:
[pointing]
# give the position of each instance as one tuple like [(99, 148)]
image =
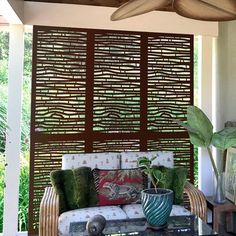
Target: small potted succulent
[(156, 202)]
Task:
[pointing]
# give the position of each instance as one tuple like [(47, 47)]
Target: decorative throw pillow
[(86, 194), (180, 177), (64, 184), (174, 179), (117, 187), (56, 180), (76, 188)]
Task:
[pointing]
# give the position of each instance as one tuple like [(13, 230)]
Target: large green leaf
[(224, 138), (195, 137), (157, 174), (144, 162), (198, 121)]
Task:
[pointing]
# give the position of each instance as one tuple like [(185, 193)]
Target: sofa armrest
[(197, 201), (49, 213)]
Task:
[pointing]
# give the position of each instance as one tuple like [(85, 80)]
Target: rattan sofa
[(194, 200)]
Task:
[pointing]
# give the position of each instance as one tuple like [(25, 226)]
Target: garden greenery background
[(25, 124)]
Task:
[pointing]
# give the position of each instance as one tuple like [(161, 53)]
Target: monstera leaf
[(224, 138)]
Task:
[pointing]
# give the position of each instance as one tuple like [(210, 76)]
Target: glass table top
[(177, 225)]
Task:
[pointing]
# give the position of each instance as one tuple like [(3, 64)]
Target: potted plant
[(200, 131), (156, 202)]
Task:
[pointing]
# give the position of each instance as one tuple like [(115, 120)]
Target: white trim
[(72, 15), (205, 71), (12, 170)]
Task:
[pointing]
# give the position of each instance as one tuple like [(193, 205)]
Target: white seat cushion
[(129, 159), (134, 211), (83, 214), (105, 160)]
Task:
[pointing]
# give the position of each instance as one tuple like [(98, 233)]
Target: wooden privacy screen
[(98, 91)]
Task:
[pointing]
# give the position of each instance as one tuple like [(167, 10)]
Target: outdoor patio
[(99, 127)]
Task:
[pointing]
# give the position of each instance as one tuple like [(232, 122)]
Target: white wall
[(205, 92), (226, 76)]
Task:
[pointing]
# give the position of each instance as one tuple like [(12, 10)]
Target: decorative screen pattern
[(61, 78), (168, 81), (99, 91), (116, 83)]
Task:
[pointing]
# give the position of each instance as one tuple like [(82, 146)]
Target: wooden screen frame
[(38, 167)]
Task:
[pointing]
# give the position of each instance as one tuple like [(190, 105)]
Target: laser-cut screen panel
[(98, 91), (116, 83), (61, 78), (169, 81)]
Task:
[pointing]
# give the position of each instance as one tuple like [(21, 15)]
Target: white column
[(205, 173), (12, 170)]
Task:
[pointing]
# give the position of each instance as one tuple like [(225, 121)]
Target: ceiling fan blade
[(208, 10), (138, 7)]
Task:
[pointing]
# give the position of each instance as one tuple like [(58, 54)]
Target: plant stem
[(154, 184), (221, 164), (151, 177), (213, 163)]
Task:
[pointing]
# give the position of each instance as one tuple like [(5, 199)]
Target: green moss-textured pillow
[(174, 179), (85, 188), (179, 180), (76, 188), (57, 179), (64, 183)]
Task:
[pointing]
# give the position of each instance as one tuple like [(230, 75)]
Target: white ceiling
[(12, 10)]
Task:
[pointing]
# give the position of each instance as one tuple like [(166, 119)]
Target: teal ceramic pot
[(157, 206)]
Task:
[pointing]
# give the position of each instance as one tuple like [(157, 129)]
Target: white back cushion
[(129, 159), (105, 160)]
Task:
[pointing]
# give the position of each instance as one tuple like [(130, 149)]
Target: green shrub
[(1, 190), (23, 196)]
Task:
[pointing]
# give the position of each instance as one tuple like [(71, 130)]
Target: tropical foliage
[(200, 130), (154, 174), (4, 42)]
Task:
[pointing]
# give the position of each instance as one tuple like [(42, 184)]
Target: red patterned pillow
[(117, 187)]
